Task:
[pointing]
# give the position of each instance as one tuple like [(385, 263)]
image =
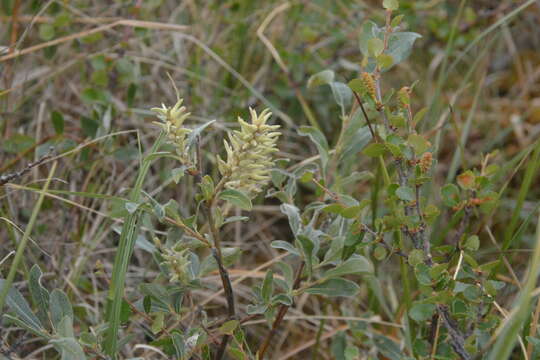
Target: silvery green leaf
[(59, 307), (69, 348), (236, 197), (319, 140), (16, 302), (342, 94), (320, 78), (40, 295), (335, 287), (293, 214), (280, 244), (357, 264), (400, 45), (194, 134), (65, 327)]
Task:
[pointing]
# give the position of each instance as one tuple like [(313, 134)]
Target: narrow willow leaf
[(354, 265), (334, 287), (40, 295)]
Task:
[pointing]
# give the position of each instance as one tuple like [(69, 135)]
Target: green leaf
[(65, 327), (321, 78), (385, 61), (319, 140), (380, 253), (69, 347), (419, 143), (422, 312), (369, 31), (391, 4), (419, 116), (334, 287), (229, 327), (20, 307), (416, 257), (405, 193), (472, 244), (354, 265), (57, 120), (374, 150), (307, 250), (450, 195), (40, 296), (237, 198), (293, 214), (268, 286), (400, 45), (280, 244), (342, 94), (375, 46), (59, 307), (46, 32)]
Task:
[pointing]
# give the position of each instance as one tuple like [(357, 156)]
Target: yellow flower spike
[(249, 154)]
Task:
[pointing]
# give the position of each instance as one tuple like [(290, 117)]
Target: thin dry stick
[(279, 318), (129, 23)]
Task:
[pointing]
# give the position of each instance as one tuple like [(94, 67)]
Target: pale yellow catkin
[(250, 154)]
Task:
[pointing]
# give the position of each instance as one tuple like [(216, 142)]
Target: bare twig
[(4, 179)]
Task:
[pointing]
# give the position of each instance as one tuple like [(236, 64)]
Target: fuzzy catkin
[(249, 154), (172, 120)]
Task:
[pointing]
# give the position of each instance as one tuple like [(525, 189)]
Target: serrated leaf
[(237, 198), (334, 287)]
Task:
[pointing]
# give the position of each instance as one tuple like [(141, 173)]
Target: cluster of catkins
[(247, 167)]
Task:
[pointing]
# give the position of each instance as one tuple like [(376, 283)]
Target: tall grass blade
[(123, 255)]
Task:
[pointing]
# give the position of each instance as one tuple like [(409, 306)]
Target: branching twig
[(4, 179)]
